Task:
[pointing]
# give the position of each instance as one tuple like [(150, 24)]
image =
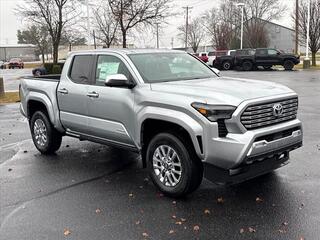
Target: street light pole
[(308, 32), (242, 12), (306, 61)]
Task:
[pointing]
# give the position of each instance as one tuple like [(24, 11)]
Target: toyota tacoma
[(187, 122)]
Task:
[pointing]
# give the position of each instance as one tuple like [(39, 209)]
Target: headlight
[(214, 112)]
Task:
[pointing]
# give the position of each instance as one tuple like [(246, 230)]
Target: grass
[(32, 65), (10, 97)]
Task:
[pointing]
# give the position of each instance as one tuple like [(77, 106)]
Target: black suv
[(266, 58)]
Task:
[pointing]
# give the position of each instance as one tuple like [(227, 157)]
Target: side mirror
[(118, 80), (278, 53)]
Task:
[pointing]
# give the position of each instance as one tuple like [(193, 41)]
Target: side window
[(272, 52), (109, 65), (81, 69), (261, 52)]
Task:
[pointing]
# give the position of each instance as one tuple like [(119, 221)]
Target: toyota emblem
[(277, 110)]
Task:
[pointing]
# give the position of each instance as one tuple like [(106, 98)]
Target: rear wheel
[(226, 65), (247, 65), (173, 166), (288, 65), (45, 137)]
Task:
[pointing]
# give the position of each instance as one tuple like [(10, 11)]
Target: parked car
[(213, 55), (266, 58), (2, 65), (227, 62), (16, 63), (204, 56), (39, 71), (173, 109)]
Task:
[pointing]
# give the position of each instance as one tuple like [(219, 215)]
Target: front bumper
[(236, 149)]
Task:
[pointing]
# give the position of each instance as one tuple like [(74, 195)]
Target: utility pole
[(157, 26), (306, 61), (187, 23), (297, 28), (88, 22), (241, 33), (94, 39)]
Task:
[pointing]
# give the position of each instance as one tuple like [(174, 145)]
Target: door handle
[(63, 91), (93, 94)]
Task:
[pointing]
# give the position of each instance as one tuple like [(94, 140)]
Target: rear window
[(81, 69)]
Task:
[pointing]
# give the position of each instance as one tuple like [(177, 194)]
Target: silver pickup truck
[(186, 121)]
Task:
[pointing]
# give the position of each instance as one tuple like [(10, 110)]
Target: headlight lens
[(214, 112)]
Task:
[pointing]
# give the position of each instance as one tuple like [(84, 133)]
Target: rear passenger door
[(72, 94), (262, 57), (273, 55), (111, 109)]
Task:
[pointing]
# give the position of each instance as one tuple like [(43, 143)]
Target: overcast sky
[(10, 22)]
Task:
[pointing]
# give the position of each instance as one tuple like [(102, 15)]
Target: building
[(27, 52)]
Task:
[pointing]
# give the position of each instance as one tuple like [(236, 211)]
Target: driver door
[(111, 109)]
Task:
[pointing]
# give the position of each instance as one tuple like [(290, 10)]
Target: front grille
[(261, 115)]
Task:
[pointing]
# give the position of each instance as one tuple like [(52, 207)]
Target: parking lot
[(91, 191)]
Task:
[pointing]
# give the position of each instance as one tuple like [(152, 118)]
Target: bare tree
[(314, 34), (37, 35), (195, 34), (53, 14), (72, 37), (106, 26), (131, 13), (220, 25)]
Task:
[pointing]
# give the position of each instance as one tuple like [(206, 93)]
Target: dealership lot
[(90, 191)]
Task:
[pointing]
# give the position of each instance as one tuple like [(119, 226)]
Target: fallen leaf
[(174, 202), (66, 232), (206, 211), (196, 228), (98, 210), (140, 187), (183, 219), (220, 200), (282, 231), (9, 169), (174, 216), (241, 231), (171, 232), (145, 234), (137, 222), (178, 223), (146, 179), (259, 200), (131, 195), (160, 195), (252, 230), (285, 224), (25, 151)]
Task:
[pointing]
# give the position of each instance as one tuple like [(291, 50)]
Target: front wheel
[(173, 166), (45, 137), (288, 65)]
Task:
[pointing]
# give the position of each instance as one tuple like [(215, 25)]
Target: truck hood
[(222, 90)]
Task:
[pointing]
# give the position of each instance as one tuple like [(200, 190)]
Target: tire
[(191, 169), (226, 65), (45, 137), (288, 65), (247, 66)]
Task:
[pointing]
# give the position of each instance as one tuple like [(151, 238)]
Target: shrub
[(56, 69)]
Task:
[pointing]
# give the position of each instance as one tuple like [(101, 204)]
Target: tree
[(132, 13), (72, 37), (195, 34), (105, 24), (220, 24), (53, 14), (314, 33), (37, 35)]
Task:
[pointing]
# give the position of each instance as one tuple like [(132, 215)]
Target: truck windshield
[(166, 67)]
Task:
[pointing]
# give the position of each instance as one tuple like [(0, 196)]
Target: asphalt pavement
[(91, 191)]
